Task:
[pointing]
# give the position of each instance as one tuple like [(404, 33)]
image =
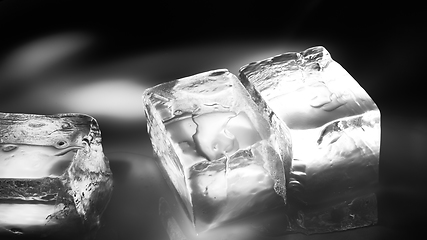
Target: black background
[(381, 44)]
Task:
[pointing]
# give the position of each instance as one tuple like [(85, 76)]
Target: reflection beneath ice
[(169, 222), (139, 186)]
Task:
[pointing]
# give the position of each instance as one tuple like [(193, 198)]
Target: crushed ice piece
[(54, 176), (225, 155), (335, 130)]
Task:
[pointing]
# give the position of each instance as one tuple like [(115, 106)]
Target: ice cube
[(53, 174), (335, 130), (219, 149)]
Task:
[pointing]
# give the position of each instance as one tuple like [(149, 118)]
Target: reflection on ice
[(213, 135), (228, 155), (232, 179), (217, 148), (223, 133), (168, 221), (30, 161), (335, 129), (342, 161)]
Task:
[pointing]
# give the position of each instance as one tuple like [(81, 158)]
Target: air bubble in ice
[(61, 144), (177, 112)]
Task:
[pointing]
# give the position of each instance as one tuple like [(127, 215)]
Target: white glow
[(24, 214), (119, 99)]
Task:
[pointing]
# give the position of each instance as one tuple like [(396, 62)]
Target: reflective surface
[(133, 212), (111, 53)]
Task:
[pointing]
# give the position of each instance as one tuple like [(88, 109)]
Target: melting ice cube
[(335, 130), (218, 149), (53, 174)]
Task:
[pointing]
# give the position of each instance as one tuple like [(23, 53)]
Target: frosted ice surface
[(53, 166), (335, 130), (225, 155)]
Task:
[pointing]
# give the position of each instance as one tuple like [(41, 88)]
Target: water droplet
[(9, 147), (177, 112)]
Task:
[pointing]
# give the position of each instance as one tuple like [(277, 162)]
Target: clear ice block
[(335, 130), (54, 177), (225, 155)]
